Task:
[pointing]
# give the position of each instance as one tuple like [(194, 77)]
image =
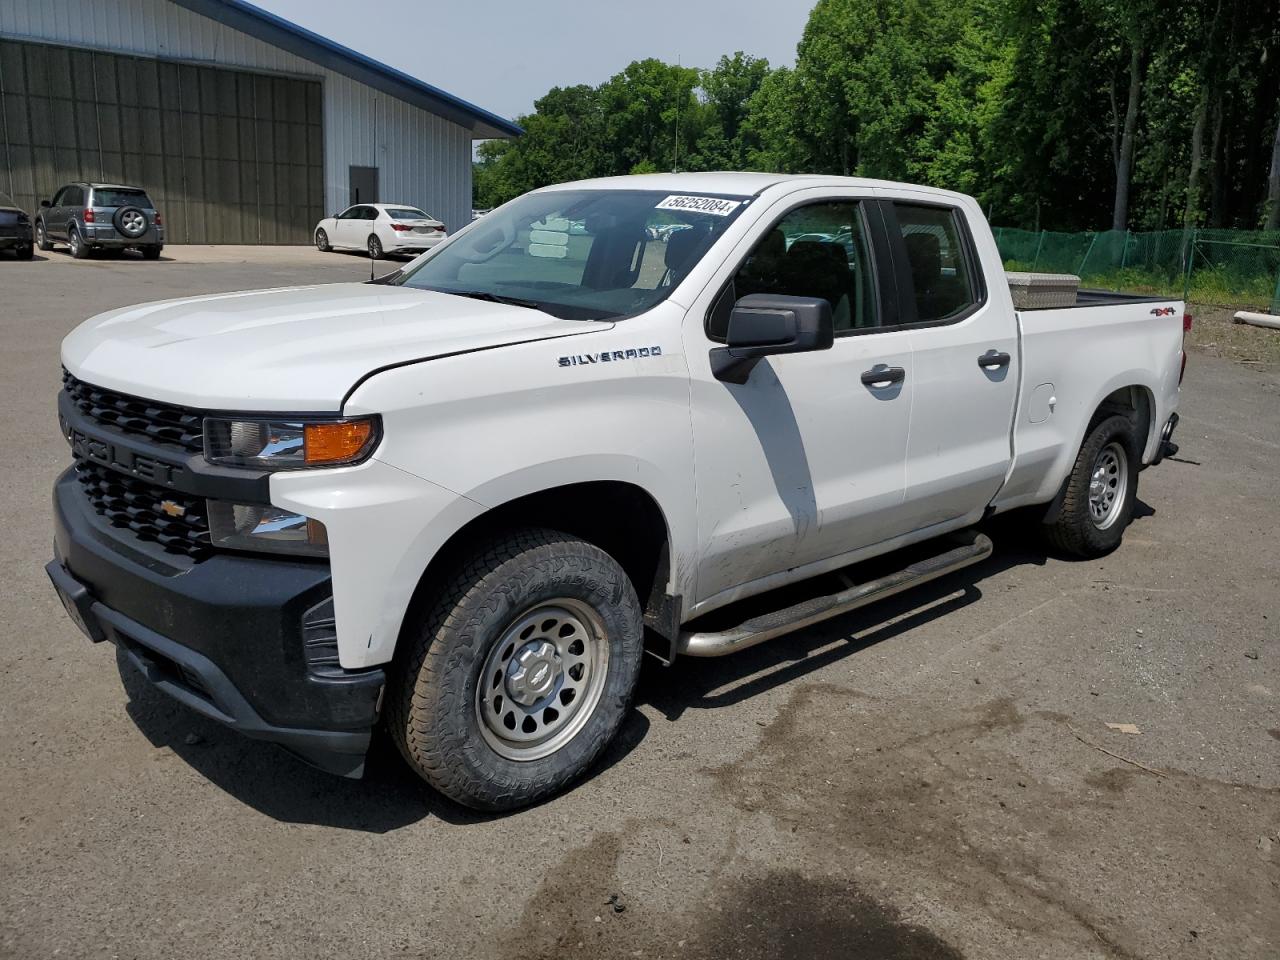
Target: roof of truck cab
[(740, 184)]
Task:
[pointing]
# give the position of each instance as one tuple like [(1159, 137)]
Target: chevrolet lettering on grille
[(109, 455)]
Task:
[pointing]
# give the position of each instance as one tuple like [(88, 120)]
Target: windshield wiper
[(497, 298)]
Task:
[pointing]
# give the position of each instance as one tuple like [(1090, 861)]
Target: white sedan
[(379, 228)]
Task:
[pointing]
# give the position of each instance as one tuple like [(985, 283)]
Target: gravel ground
[(931, 777)]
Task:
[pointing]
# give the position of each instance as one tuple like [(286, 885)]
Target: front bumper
[(224, 636)]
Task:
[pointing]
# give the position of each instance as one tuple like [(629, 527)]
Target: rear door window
[(940, 269)]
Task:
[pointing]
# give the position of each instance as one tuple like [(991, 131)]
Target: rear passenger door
[(965, 350), (805, 462)]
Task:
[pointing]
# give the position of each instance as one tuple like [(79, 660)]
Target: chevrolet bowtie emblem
[(173, 509)]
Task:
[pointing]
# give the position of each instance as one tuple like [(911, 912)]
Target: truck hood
[(295, 348)]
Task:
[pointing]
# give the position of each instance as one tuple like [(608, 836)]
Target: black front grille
[(175, 427), (176, 521)]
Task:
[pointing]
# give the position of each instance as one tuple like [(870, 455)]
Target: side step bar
[(972, 547)]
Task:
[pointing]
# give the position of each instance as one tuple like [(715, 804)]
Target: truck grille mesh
[(135, 505), (175, 427)]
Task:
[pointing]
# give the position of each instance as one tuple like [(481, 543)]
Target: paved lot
[(932, 777)]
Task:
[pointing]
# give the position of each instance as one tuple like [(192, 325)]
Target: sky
[(504, 54)]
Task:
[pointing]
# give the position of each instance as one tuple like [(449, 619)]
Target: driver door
[(805, 462), (348, 228)]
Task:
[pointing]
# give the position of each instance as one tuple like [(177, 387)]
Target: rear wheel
[(42, 238), (521, 671), (151, 252), (24, 252), (79, 249), (322, 241), (375, 248), (1101, 491)]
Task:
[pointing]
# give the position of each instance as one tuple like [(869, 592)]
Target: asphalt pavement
[(930, 777)]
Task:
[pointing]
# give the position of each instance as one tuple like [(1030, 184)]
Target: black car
[(97, 216), (15, 228)]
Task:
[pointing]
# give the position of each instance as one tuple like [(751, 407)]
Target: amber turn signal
[(336, 442)]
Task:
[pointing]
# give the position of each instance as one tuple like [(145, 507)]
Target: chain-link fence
[(1234, 268)]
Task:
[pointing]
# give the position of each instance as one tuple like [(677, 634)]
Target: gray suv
[(96, 216)]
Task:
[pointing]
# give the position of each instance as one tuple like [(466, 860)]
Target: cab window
[(818, 250), (941, 274)]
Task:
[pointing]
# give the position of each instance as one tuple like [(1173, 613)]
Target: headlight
[(288, 444), (252, 526)]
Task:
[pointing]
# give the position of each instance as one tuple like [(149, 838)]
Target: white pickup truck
[(462, 500)]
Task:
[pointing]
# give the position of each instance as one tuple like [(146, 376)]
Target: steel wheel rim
[(542, 679), (1108, 484)]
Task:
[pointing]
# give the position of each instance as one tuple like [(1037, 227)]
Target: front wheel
[(1101, 491), (521, 671), (375, 248), (42, 238), (322, 241)]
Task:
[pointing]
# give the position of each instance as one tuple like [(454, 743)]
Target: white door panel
[(803, 461), (962, 410)]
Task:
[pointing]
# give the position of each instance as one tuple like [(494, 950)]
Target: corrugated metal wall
[(228, 156), (423, 159)]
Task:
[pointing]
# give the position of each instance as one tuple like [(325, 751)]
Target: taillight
[(1186, 328), (88, 216), (158, 221), (400, 227)]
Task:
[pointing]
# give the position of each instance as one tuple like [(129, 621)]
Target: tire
[(130, 222), (79, 249), (25, 252), (322, 241), (496, 617), (1092, 519), (375, 248), (42, 238), (151, 252)]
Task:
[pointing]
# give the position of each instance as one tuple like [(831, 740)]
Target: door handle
[(883, 377), (992, 359)]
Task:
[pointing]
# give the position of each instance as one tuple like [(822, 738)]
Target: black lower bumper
[(224, 636)]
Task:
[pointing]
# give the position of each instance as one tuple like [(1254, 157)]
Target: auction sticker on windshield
[(716, 206)]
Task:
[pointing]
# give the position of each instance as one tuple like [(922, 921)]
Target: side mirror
[(762, 325), (45, 203)]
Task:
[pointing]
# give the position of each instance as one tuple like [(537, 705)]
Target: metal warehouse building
[(243, 127)]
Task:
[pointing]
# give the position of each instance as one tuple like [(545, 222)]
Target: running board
[(973, 546)]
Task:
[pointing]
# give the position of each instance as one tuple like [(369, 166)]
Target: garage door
[(229, 156)]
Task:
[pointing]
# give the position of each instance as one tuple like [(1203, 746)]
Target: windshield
[(580, 254), (406, 213), (120, 198)]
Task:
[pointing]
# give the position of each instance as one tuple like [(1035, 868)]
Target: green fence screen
[(1233, 268)]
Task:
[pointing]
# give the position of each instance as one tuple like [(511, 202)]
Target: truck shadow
[(391, 796)]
